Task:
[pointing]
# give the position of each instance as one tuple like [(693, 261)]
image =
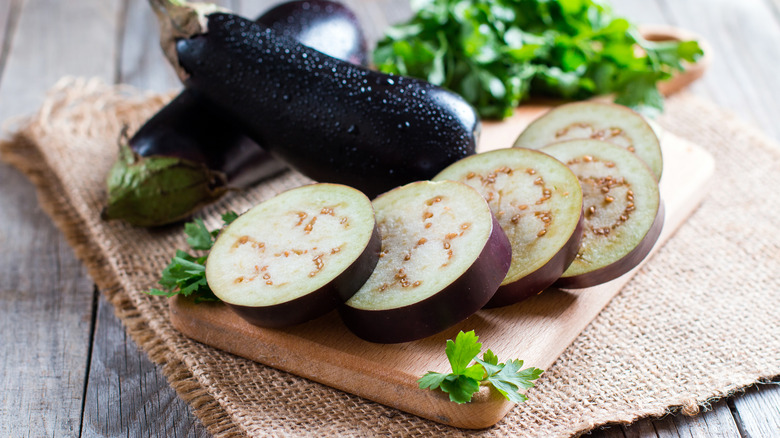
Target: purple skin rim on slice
[(535, 282), (321, 301), (619, 267)]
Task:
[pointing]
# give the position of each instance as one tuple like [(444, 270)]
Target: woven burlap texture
[(698, 322)]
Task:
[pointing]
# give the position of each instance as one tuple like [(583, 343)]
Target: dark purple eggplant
[(330, 120), (189, 153), (326, 26)]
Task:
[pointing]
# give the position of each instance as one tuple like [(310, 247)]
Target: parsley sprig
[(186, 273), (496, 53), (465, 379)]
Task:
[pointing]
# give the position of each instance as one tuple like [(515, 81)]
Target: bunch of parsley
[(465, 379), (186, 273), (496, 53)]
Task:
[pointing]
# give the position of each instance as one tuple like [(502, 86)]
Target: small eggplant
[(323, 25), (188, 153), (331, 120)]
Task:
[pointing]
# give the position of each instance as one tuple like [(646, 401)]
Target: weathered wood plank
[(247, 7), (640, 429), (743, 75), (5, 18), (758, 410), (141, 62), (717, 422), (127, 395), (45, 316), (378, 15), (46, 296), (392, 12), (53, 39), (9, 14), (612, 431)]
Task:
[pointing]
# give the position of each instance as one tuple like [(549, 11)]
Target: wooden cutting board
[(537, 330)]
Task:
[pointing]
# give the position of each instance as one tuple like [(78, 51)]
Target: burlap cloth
[(700, 321)]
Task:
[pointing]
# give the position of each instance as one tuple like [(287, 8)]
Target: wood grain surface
[(54, 331)]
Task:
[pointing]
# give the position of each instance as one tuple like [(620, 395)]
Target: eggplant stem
[(179, 19)]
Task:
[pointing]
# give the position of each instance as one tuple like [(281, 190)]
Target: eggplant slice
[(623, 210), (538, 202), (609, 122), (443, 257), (296, 256)]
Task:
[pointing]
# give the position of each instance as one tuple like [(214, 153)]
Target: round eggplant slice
[(296, 256), (609, 122), (622, 206), (443, 257), (538, 202)]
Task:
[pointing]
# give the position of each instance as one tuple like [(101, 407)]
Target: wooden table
[(67, 366)]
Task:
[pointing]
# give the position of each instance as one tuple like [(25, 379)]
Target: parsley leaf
[(465, 380), (186, 273), (497, 53), (462, 350), (509, 378), (229, 217), (460, 388), (199, 237), (432, 380)]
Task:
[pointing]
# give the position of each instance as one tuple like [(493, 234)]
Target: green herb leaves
[(465, 379), (186, 273), (199, 238), (508, 378), (495, 53)]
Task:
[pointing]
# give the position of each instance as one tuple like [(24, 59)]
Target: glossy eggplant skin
[(323, 25), (330, 120), (191, 128)]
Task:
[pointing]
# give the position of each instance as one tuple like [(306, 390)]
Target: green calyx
[(158, 190)]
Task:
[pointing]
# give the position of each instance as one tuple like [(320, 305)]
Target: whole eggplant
[(323, 25), (189, 153), (330, 120)]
